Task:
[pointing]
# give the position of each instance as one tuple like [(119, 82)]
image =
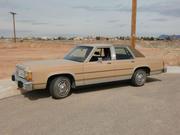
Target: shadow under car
[(39, 94)]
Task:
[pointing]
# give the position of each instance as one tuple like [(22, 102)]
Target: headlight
[(28, 76), (21, 73)]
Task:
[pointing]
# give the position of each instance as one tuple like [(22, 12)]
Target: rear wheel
[(139, 77), (60, 87)]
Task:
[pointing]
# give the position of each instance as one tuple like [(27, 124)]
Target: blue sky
[(89, 17)]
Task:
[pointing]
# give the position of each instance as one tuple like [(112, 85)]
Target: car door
[(124, 63), (100, 68)]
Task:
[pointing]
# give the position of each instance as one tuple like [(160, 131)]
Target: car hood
[(41, 64)]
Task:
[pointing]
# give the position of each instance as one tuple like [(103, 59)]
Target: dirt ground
[(13, 53)]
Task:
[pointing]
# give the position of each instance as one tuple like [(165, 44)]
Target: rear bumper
[(22, 83)]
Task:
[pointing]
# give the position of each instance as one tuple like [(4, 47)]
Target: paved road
[(111, 109), (8, 88), (6, 84)]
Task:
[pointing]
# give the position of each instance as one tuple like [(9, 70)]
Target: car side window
[(103, 53), (123, 53)]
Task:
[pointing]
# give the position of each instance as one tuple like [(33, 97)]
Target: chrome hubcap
[(140, 78), (63, 86)]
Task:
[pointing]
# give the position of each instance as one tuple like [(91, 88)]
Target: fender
[(141, 66), (60, 73), (56, 73)]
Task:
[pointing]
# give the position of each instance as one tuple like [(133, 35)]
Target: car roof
[(103, 45)]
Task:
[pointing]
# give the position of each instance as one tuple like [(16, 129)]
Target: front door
[(100, 67)]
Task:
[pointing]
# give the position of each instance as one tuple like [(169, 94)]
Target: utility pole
[(14, 25), (133, 23)]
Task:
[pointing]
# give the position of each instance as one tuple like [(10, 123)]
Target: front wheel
[(60, 87), (139, 77)]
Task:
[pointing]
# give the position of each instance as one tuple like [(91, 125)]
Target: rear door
[(124, 64)]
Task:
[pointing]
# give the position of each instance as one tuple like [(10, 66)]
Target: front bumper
[(22, 83)]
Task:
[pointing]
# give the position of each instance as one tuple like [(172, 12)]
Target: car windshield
[(79, 53)]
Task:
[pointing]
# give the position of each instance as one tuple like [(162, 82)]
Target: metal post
[(14, 25), (133, 23)]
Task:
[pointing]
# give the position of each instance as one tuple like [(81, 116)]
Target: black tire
[(139, 77), (60, 87)]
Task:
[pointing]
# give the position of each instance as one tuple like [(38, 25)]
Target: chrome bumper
[(22, 83)]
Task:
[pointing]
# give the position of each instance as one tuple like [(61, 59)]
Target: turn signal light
[(29, 76)]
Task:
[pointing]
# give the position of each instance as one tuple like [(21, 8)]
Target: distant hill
[(169, 37)]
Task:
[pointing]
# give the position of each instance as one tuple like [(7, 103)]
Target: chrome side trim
[(104, 80), (104, 71)]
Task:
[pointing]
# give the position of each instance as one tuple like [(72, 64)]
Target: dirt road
[(114, 109)]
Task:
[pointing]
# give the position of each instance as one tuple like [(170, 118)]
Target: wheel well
[(147, 69), (58, 75)]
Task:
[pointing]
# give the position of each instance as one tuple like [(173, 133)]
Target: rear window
[(122, 53)]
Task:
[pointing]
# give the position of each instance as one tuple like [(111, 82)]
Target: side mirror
[(99, 60)]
